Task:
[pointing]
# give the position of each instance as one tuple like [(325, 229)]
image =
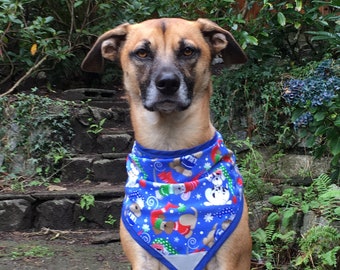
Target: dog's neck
[(173, 131)]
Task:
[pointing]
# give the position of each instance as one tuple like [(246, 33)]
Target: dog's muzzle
[(167, 92)]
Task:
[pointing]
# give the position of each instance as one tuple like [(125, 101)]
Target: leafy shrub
[(251, 93), (315, 103), (55, 35), (253, 169), (280, 243), (34, 135), (28, 40), (49, 35), (285, 29), (318, 248)]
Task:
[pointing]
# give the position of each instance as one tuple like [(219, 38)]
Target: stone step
[(114, 140), (107, 167), (109, 140), (101, 98), (121, 118), (88, 117), (61, 210)]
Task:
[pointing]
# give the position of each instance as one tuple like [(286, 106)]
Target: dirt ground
[(58, 250)]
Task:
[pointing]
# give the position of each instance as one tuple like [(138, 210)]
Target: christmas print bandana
[(182, 205)]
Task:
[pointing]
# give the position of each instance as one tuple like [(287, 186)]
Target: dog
[(166, 67)]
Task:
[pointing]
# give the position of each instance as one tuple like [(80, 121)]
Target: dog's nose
[(167, 82)]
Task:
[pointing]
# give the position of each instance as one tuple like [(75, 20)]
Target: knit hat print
[(158, 223)]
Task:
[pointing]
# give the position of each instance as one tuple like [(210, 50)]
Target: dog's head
[(166, 62)]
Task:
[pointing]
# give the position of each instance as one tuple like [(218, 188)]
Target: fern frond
[(318, 187), (330, 203), (329, 258), (322, 183), (319, 247)]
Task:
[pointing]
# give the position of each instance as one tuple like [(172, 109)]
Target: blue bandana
[(182, 205)]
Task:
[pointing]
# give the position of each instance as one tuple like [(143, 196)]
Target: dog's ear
[(222, 42), (107, 46)]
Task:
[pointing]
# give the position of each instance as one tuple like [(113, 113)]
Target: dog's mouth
[(158, 102), (167, 106)]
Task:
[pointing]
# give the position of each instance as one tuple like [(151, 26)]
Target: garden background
[(285, 99)]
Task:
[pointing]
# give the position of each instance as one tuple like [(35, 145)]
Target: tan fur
[(172, 122)]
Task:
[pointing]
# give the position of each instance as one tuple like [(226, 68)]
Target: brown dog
[(166, 64)]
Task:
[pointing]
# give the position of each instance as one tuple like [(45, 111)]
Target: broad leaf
[(281, 19), (334, 145)]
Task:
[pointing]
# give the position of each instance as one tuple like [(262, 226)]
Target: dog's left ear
[(222, 42), (107, 46)]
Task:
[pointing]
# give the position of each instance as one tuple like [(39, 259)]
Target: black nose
[(167, 82)]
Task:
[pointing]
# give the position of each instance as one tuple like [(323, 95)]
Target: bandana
[(181, 206)]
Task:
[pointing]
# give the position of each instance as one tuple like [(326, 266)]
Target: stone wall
[(60, 210)]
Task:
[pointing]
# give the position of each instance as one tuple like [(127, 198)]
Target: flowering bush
[(316, 114)]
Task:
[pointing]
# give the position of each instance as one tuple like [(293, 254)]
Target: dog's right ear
[(107, 46)]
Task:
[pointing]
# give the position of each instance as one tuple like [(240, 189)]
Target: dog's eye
[(142, 53), (188, 51)]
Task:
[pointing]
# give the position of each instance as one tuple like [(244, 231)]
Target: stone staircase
[(101, 150), (97, 167), (96, 170)]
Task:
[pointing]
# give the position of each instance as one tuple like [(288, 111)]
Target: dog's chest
[(182, 202)]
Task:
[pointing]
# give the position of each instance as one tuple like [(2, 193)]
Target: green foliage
[(249, 103), (110, 220), (271, 247), (283, 28), (34, 132), (52, 31), (60, 32), (86, 201), (321, 196), (96, 128), (317, 248), (253, 169), (330, 32), (31, 252), (252, 91), (315, 102), (27, 38)]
